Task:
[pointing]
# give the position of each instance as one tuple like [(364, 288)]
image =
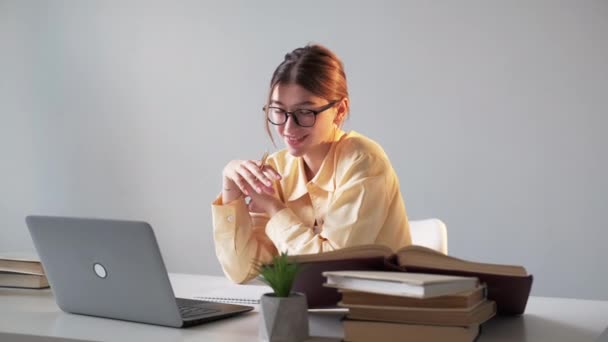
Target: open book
[(508, 285)]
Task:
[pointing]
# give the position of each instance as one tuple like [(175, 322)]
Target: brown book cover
[(356, 330), (458, 300), (310, 279), (431, 316), (29, 281), (508, 285)]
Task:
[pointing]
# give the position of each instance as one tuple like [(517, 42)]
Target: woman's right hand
[(238, 173)]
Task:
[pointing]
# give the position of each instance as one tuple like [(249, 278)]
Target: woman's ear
[(341, 112)]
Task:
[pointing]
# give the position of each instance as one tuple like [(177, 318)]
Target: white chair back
[(431, 233)]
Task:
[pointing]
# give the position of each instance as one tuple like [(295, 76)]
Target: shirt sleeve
[(240, 240), (355, 215)]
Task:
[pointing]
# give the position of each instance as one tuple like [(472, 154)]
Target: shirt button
[(230, 218)]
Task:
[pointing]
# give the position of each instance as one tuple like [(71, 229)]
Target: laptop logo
[(100, 271)]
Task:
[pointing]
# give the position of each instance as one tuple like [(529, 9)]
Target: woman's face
[(301, 140)]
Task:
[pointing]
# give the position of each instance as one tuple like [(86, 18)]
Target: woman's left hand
[(263, 203)]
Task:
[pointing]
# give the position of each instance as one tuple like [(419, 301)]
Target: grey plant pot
[(283, 319)]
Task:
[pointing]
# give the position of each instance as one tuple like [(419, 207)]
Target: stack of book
[(508, 285), (22, 270), (383, 306)]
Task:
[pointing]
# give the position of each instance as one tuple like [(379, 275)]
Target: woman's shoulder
[(358, 154), (354, 146)]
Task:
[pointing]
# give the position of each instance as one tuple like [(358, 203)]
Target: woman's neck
[(314, 158)]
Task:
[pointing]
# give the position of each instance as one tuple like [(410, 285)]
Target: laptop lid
[(107, 268)]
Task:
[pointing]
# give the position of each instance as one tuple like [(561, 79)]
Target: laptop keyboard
[(193, 308), (193, 311)]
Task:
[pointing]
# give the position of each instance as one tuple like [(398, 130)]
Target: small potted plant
[(284, 313)]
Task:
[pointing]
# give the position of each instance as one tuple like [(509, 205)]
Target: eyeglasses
[(303, 117)]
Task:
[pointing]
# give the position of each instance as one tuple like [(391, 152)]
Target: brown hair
[(314, 68)]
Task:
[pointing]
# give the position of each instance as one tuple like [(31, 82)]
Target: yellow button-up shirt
[(354, 199)]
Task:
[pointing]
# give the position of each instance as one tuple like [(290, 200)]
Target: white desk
[(35, 313)]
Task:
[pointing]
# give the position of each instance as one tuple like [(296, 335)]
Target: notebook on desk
[(235, 294), (114, 269)]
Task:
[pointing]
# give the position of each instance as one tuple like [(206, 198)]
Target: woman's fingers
[(258, 173), (238, 180), (247, 177), (248, 174), (263, 177), (271, 173), (255, 178)]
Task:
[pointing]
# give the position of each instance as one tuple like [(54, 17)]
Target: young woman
[(328, 189)]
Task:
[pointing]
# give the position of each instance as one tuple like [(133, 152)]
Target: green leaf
[(279, 275)]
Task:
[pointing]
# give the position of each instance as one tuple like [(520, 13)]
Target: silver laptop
[(114, 269)]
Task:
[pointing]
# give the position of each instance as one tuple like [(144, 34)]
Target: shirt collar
[(324, 179)]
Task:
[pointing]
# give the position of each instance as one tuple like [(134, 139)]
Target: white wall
[(493, 113)]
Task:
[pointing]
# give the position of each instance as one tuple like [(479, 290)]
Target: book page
[(354, 252), (418, 256)]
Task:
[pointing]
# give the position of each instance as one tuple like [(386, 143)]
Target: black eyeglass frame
[(295, 117)]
